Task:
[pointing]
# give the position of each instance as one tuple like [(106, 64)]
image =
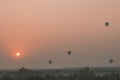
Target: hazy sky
[(46, 29)]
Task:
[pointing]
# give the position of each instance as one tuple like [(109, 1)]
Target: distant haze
[(43, 30)]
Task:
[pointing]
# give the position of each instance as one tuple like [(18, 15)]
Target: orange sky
[(45, 29)]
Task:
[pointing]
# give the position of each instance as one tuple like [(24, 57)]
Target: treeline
[(83, 74)]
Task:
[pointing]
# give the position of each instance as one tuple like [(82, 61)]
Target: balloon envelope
[(50, 61), (107, 23), (111, 61), (69, 52)]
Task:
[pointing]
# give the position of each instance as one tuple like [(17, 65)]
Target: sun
[(18, 54)]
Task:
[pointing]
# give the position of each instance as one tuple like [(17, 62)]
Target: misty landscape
[(59, 39), (103, 73)]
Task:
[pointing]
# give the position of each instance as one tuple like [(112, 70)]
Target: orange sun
[(18, 54)]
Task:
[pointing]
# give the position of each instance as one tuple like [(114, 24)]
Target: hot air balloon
[(111, 61), (69, 53), (50, 61), (107, 24)]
